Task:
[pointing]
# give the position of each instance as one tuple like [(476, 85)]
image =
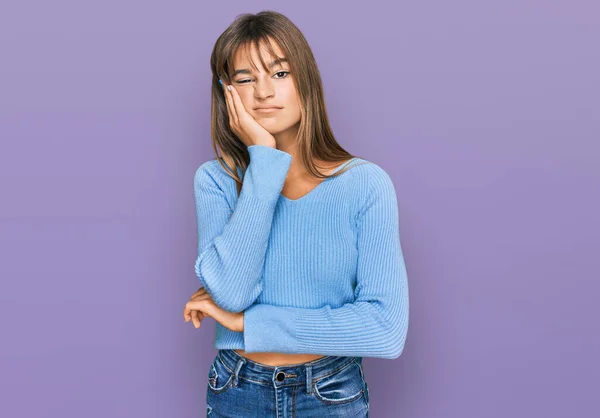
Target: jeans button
[(280, 376)]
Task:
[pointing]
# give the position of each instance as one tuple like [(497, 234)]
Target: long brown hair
[(315, 138)]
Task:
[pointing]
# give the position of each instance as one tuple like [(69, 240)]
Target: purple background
[(486, 116)]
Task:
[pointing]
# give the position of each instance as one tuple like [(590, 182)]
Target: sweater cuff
[(269, 328), (266, 172)]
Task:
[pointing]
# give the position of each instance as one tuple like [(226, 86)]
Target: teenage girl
[(299, 255)]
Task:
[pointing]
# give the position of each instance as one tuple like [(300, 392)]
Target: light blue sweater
[(322, 274)]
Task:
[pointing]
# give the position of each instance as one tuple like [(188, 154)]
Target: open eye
[(283, 72)]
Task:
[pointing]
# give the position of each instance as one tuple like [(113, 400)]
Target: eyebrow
[(273, 63)]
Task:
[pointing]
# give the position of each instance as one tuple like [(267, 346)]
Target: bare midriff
[(278, 359)]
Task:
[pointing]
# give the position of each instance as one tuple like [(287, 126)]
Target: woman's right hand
[(243, 125), (195, 316)]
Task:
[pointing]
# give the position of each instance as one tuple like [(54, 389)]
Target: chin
[(272, 126)]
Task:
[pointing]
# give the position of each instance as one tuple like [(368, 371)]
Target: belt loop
[(309, 379), (239, 365)]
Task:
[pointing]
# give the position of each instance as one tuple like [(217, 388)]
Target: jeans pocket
[(366, 387), (219, 376), (342, 386)]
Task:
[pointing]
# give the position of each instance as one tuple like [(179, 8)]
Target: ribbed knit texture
[(322, 274)]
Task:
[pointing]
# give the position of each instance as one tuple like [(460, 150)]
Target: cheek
[(246, 98), (291, 99)]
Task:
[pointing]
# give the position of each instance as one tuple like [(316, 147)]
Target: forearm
[(231, 251)]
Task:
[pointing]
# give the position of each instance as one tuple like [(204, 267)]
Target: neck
[(286, 141)]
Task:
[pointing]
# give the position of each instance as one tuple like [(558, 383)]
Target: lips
[(267, 109)]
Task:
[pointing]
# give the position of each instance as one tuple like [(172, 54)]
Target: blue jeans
[(330, 386)]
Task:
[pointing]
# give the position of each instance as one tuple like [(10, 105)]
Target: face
[(267, 87)]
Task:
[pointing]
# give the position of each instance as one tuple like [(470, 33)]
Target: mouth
[(267, 109)]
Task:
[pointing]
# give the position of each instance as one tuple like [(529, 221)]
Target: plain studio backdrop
[(486, 115)]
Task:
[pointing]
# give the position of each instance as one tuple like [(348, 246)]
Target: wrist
[(267, 142), (241, 322)]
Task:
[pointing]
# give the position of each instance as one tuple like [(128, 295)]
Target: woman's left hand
[(202, 301)]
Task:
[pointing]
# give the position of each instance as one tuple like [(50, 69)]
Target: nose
[(263, 89)]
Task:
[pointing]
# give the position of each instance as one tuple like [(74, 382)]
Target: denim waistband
[(285, 375)]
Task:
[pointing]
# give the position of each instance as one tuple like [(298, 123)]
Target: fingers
[(187, 314), (233, 117), (197, 309), (195, 320), (240, 110), (242, 124), (187, 311), (198, 292), (196, 316), (205, 305), (193, 310), (203, 296), (189, 307)]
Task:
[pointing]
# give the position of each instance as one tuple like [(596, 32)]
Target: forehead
[(247, 54)]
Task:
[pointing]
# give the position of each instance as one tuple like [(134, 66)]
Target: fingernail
[(229, 88), (220, 81)]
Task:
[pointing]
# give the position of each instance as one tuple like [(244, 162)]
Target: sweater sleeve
[(375, 324), (232, 245)]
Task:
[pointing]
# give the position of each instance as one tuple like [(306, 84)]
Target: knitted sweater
[(322, 274)]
